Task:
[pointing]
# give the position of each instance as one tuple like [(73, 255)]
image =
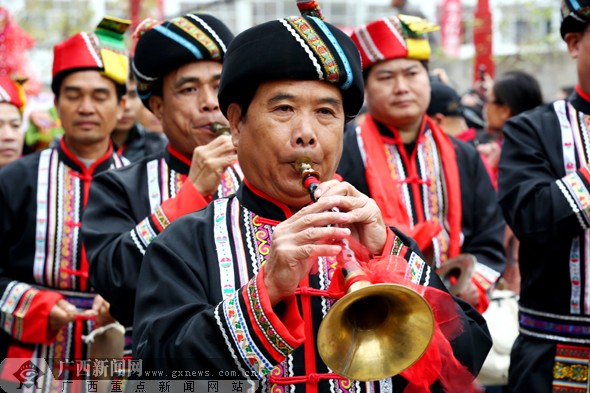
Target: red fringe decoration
[(438, 362)]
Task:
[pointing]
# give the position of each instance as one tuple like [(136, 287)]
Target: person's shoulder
[(27, 164), (538, 113), (193, 224), (460, 143), (20, 175), (543, 117), (463, 148), (133, 168)]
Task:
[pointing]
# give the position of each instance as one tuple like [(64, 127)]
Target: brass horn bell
[(375, 331)]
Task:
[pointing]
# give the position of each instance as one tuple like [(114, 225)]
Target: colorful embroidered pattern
[(229, 182), (570, 370), (554, 327), (69, 248), (241, 337), (163, 183), (223, 247), (93, 45), (10, 300), (415, 268), (262, 234), (154, 193), (264, 324), (485, 276), (431, 190), (579, 193), (344, 385), (574, 144), (146, 232), (318, 46), (368, 45), (21, 311), (199, 35), (278, 371), (398, 245), (210, 30), (161, 218)]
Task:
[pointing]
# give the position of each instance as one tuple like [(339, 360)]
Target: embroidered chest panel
[(60, 203), (421, 182), (57, 235), (163, 182), (242, 245), (575, 141)]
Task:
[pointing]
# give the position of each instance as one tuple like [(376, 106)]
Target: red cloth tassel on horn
[(438, 362)]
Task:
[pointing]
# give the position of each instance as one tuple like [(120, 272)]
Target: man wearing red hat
[(177, 66), (544, 192), (430, 185), (12, 105), (47, 304)]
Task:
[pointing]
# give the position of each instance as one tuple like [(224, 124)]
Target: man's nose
[(86, 105), (304, 131), (208, 100)]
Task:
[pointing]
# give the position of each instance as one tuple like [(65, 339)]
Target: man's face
[(133, 105), (11, 134), (397, 92), (578, 45), (188, 105), (88, 108), (287, 120)]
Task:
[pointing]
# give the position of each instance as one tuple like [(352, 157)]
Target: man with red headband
[(46, 304), (430, 185), (544, 192), (12, 105)]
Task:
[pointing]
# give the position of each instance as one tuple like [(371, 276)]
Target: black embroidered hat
[(293, 48), (165, 46), (575, 16)]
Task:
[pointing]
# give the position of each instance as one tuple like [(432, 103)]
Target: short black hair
[(518, 90)]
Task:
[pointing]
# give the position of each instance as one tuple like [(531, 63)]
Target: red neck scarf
[(386, 192)]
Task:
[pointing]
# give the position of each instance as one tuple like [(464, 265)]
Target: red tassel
[(438, 362)]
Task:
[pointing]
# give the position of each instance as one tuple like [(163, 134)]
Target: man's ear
[(438, 118), (573, 43), (234, 115), (156, 105)]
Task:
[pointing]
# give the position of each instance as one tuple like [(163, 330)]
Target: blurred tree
[(51, 21)]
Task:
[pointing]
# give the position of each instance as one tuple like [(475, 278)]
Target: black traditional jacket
[(127, 209), (42, 258), (202, 304), (544, 191)]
